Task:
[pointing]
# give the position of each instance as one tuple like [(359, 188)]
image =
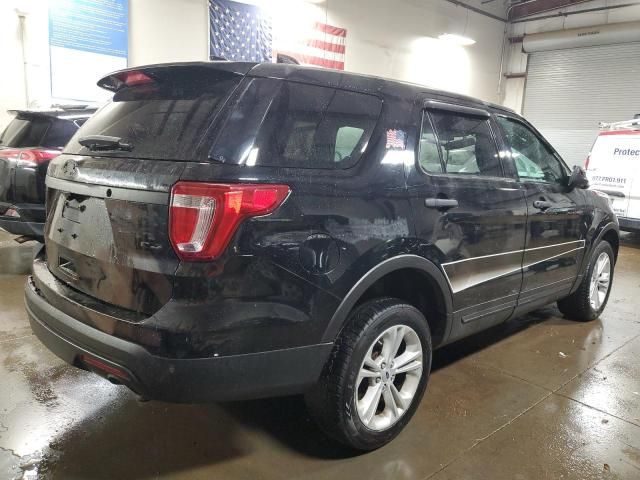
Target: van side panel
[(614, 163)]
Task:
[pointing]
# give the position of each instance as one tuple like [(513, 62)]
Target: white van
[(613, 167)]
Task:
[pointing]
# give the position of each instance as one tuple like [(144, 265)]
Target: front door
[(470, 218), (555, 241)]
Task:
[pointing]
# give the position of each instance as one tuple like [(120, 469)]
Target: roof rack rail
[(81, 106), (624, 125)]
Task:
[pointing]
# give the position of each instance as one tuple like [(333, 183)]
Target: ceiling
[(493, 7), (515, 9)]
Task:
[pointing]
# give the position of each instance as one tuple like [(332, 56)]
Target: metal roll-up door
[(568, 92)]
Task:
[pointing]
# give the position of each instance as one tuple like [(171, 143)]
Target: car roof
[(328, 77), (362, 83)]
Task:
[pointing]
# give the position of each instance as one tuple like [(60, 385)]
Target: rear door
[(613, 163), (470, 213), (107, 228), (557, 223)]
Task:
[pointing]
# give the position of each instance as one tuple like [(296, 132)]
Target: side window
[(466, 145), (534, 162), (287, 124), (347, 138), (305, 122), (429, 154)]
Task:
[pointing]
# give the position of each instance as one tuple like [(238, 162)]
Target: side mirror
[(578, 178)]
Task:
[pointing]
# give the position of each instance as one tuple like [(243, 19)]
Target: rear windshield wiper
[(97, 143)]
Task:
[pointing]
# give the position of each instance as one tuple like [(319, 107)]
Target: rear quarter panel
[(599, 219), (285, 274)]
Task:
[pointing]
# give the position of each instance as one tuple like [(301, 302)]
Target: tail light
[(204, 216), (133, 78), (586, 162), (130, 78), (29, 156)]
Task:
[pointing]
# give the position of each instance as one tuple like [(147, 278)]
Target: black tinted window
[(59, 134), (162, 119), (466, 144), (288, 124), (25, 132)]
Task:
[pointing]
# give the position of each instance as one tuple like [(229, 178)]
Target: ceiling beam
[(533, 7), (476, 10)]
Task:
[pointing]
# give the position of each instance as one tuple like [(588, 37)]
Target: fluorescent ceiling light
[(457, 39)]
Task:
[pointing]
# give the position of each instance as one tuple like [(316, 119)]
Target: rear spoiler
[(31, 113), (52, 114), (148, 73)]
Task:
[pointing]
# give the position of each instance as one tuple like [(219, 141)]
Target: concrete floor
[(539, 397)]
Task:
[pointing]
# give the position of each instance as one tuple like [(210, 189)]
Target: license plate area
[(68, 267), (81, 224), (114, 250), (73, 207)]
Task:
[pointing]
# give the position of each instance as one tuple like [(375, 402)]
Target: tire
[(580, 305), (337, 402)]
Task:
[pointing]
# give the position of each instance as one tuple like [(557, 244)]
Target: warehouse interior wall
[(396, 39), (516, 60)]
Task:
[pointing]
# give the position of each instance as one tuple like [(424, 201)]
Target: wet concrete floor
[(539, 397)]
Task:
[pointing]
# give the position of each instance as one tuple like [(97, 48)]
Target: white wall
[(168, 30), (513, 95), (12, 82), (391, 38), (398, 39)]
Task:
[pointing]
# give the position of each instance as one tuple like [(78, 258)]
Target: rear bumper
[(18, 226), (30, 222), (234, 377), (629, 224)]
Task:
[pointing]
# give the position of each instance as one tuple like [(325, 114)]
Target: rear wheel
[(376, 376), (589, 301)]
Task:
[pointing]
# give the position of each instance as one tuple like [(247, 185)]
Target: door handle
[(441, 203), (542, 205)]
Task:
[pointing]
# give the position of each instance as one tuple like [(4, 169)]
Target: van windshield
[(163, 119)]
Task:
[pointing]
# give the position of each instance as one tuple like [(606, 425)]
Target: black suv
[(27, 144), (233, 230)]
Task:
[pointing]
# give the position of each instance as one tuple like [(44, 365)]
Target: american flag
[(396, 139), (239, 32), (325, 46)]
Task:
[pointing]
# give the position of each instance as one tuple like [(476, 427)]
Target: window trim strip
[(451, 107)]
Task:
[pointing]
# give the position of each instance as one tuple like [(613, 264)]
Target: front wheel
[(589, 301), (376, 375)]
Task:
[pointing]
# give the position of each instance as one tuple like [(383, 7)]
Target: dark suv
[(27, 144), (230, 230)]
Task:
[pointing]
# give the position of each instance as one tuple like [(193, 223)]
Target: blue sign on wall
[(95, 26), (87, 40)]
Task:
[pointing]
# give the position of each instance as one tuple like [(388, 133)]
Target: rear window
[(164, 119), (59, 133), (25, 132), (287, 124)]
